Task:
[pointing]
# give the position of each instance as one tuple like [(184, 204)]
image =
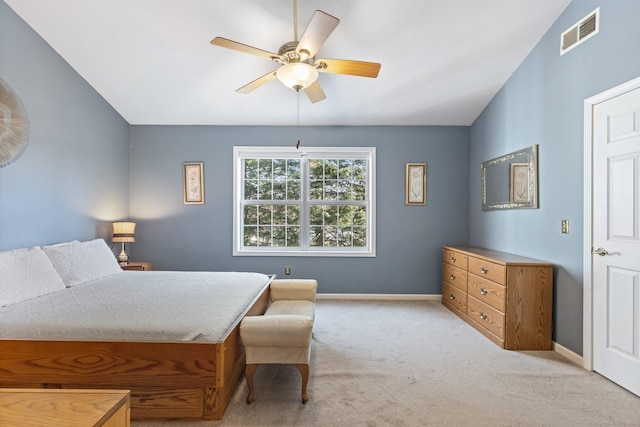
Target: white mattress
[(137, 306)]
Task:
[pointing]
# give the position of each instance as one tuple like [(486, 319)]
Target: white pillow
[(82, 262), (26, 273)]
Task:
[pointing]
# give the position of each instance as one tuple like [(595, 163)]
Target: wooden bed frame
[(167, 379)]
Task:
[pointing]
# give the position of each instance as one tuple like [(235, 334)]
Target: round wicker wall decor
[(14, 125)]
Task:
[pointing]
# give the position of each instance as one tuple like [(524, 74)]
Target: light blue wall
[(542, 104), (73, 177), (199, 237)]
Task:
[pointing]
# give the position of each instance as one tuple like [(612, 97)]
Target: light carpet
[(414, 363)]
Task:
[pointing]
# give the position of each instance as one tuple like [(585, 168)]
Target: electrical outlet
[(287, 270), (565, 226)]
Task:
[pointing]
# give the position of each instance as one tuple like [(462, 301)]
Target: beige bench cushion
[(293, 289), (292, 307), (276, 331)]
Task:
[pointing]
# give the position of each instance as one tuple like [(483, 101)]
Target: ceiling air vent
[(587, 27)]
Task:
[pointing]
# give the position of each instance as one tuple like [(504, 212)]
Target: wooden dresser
[(64, 408), (507, 298)]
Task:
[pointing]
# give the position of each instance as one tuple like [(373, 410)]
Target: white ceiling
[(442, 60)]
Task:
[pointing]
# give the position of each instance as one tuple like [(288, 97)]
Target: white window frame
[(242, 152)]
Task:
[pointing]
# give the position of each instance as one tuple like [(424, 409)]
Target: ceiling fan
[(299, 67)]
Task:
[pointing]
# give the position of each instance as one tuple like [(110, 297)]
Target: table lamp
[(123, 232)]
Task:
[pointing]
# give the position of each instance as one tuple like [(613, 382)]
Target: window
[(313, 201)]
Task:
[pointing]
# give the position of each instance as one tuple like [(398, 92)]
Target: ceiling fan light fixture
[(296, 75)]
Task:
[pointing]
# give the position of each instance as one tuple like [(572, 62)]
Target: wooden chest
[(508, 298)]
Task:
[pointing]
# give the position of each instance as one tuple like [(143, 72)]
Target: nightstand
[(138, 266)]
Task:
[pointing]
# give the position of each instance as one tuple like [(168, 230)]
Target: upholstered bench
[(283, 334)]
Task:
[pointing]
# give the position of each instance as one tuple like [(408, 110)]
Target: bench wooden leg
[(248, 375), (304, 372)]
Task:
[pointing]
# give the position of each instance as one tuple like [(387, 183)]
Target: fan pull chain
[(298, 117)]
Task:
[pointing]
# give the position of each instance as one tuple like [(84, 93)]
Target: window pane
[(331, 189), (279, 190), (279, 236), (360, 215), (279, 168), (345, 190), (330, 215), (360, 236), (250, 236), (345, 215), (251, 215), (315, 215), (251, 190), (360, 169), (264, 214), (279, 214), (293, 215), (315, 236), (293, 236), (293, 190), (265, 190), (251, 169), (316, 169), (345, 236), (264, 236), (331, 169), (265, 168), (359, 190), (330, 236), (293, 169), (345, 170), (315, 190)]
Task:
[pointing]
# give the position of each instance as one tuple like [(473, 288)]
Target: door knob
[(600, 251)]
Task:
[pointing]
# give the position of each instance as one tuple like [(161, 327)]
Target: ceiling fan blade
[(317, 32), (314, 92), (249, 87), (346, 66), (230, 44)]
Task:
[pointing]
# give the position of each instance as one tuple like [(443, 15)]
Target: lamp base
[(123, 258)]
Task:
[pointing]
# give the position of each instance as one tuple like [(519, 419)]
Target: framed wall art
[(520, 183), (193, 183), (415, 184)]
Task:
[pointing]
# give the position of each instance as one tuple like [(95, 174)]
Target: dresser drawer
[(454, 297), (454, 276), (455, 258), (487, 291), (486, 316), (488, 270)]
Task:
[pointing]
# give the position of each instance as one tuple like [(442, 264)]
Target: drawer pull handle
[(484, 270), (483, 291), (483, 316), (452, 296), (453, 259), (453, 277)]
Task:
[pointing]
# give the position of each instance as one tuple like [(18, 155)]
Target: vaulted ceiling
[(442, 60)]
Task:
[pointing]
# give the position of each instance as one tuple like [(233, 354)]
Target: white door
[(616, 239)]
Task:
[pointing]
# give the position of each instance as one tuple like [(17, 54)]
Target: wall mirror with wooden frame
[(510, 181)]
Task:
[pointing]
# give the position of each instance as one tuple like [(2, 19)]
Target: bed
[(71, 318)]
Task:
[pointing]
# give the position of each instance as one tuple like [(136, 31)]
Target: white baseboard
[(565, 352), (387, 297)]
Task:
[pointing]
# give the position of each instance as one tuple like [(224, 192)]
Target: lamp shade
[(297, 75), (124, 232)]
